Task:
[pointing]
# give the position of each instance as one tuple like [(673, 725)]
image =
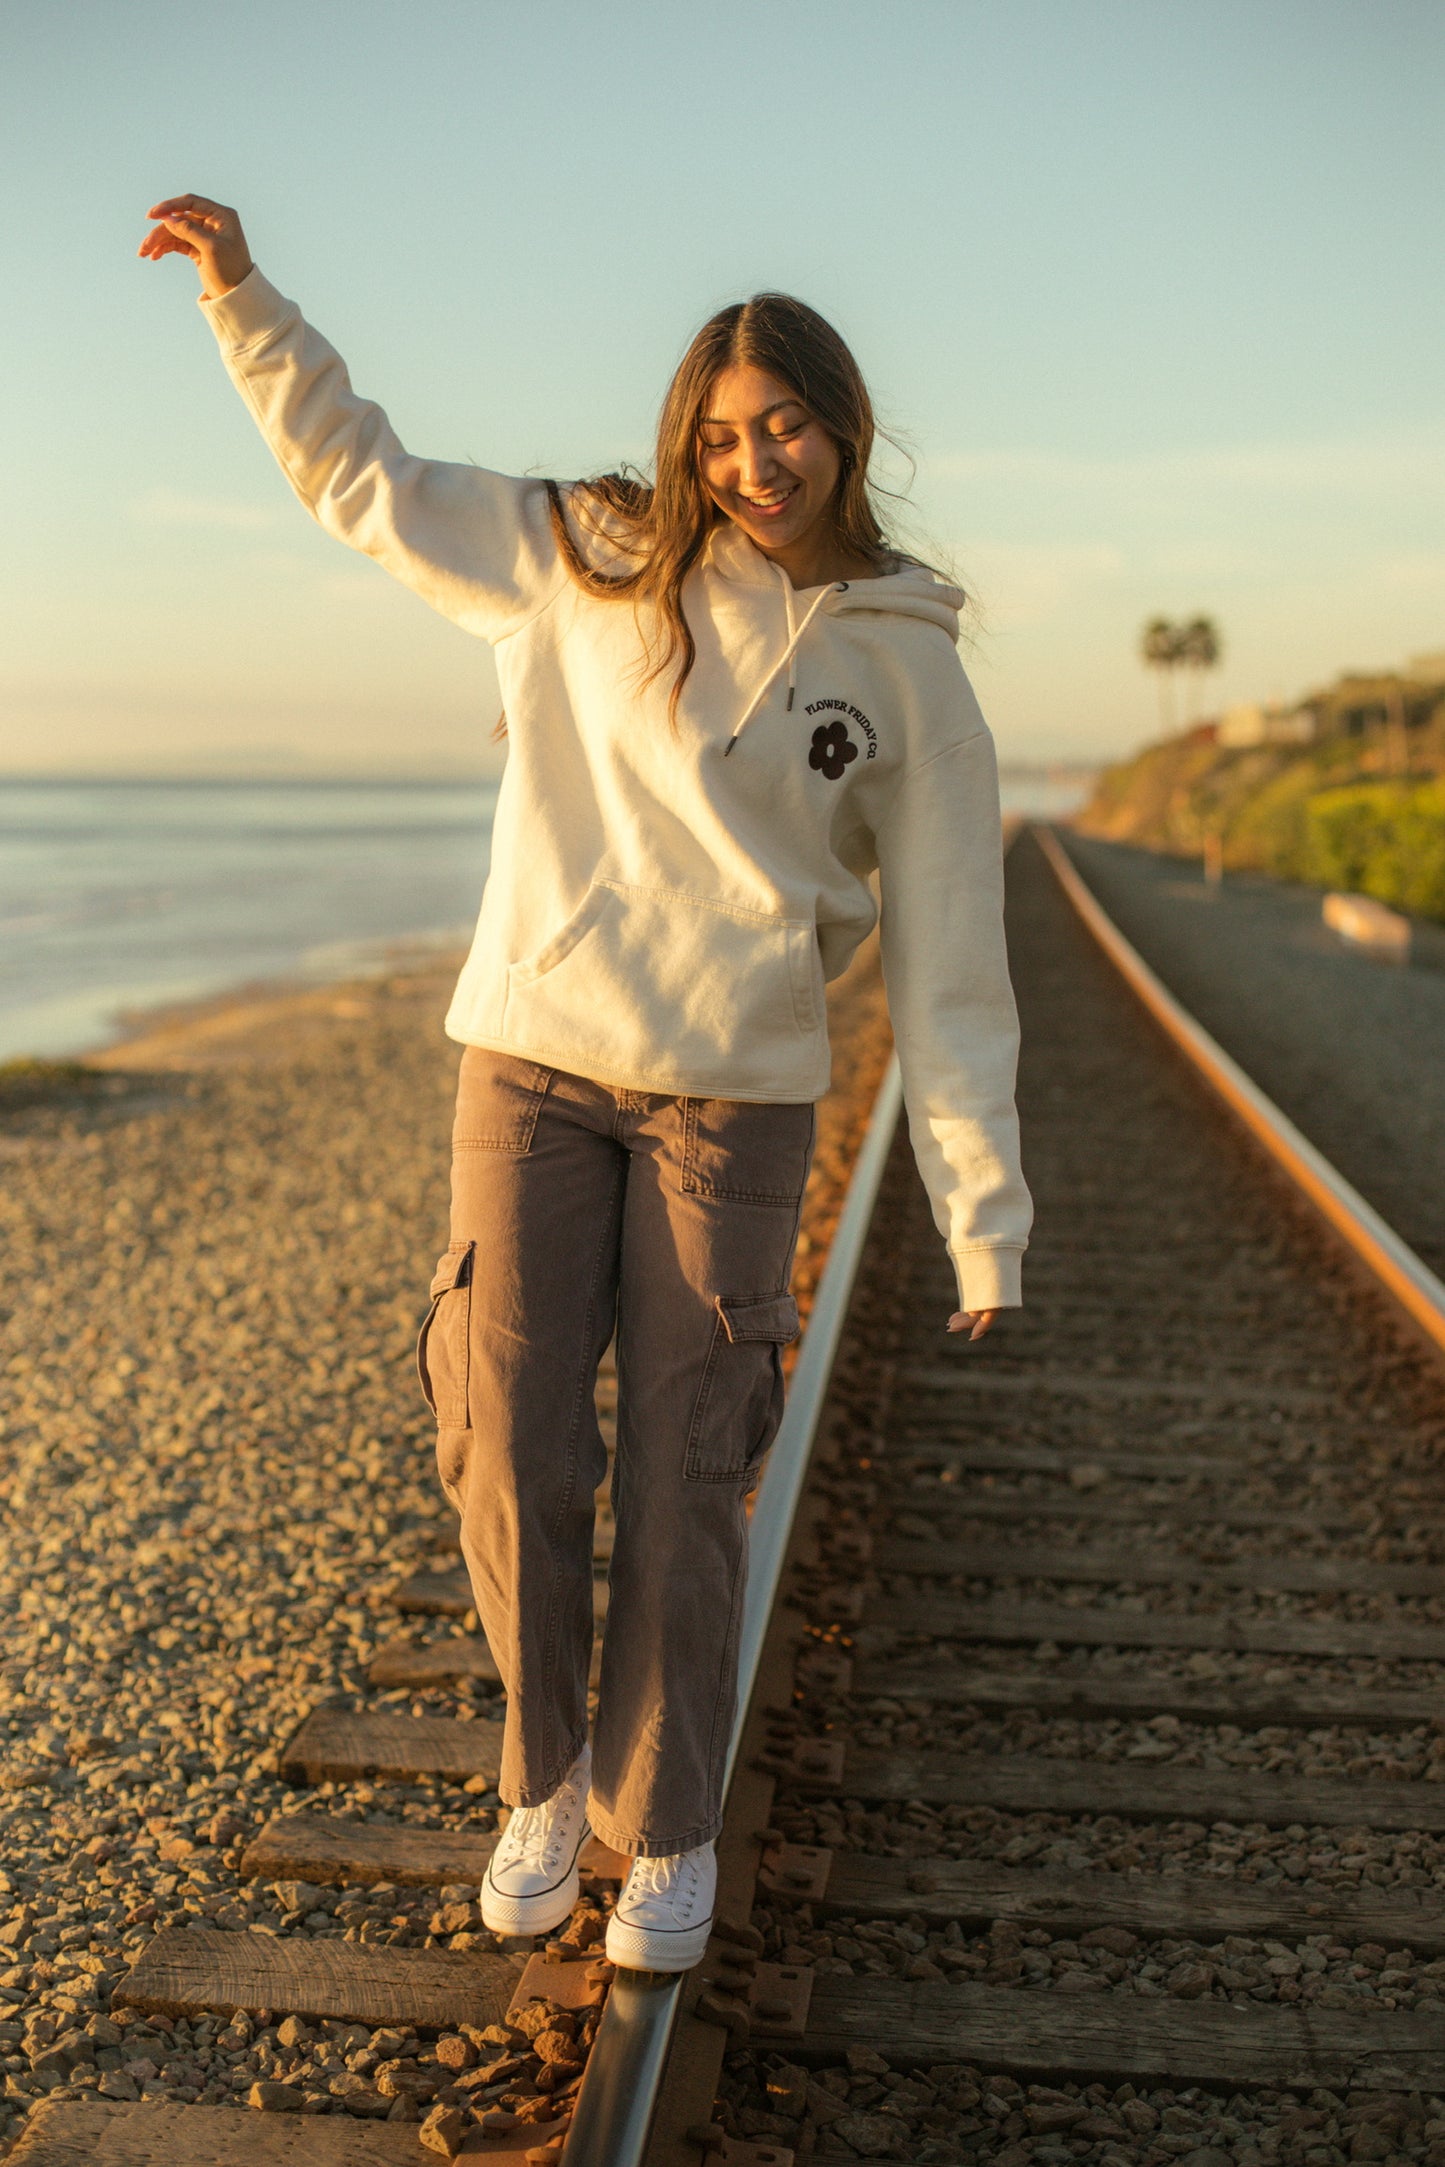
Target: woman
[(729, 704)]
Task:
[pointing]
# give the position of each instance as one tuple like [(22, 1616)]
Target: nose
[(758, 462)]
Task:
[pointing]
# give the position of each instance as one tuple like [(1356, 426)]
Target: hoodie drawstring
[(792, 641), (788, 657)]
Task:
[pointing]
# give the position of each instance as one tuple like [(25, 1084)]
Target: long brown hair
[(663, 526)]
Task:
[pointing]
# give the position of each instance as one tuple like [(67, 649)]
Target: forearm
[(954, 1018)]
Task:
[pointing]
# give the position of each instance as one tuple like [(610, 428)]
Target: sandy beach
[(217, 1461)]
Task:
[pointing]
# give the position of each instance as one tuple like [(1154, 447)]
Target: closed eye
[(777, 433)]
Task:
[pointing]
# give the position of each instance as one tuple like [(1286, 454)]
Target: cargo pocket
[(740, 1398), (441, 1348)]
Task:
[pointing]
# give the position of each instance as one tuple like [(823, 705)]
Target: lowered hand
[(981, 1320)]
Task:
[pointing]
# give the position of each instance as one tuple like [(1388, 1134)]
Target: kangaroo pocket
[(646, 985)]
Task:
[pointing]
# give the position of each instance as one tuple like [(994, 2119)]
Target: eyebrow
[(717, 421)]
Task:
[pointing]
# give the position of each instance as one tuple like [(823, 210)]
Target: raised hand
[(208, 233)]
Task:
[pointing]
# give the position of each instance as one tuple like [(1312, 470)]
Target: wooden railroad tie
[(1097, 1691), (187, 1969), (183, 1973), (1194, 1907), (953, 1617), (154, 2133), (448, 1594), (186, 1972), (1029, 1783), (945, 1506), (338, 1745), (1067, 1562), (435, 1594), (934, 1445), (967, 1375), (1077, 2038), (355, 1854), (437, 1662)]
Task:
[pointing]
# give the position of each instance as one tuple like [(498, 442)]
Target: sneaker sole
[(530, 1914), (643, 1948)]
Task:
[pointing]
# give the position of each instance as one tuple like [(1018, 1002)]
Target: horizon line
[(402, 778)]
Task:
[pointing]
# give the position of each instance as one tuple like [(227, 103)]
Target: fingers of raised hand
[(162, 241), (198, 225), (170, 204), (197, 214)]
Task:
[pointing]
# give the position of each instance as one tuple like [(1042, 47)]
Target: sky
[(1151, 289)]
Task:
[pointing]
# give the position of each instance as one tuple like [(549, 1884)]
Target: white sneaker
[(664, 1914), (532, 1881)]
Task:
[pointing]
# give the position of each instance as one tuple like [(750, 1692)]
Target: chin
[(769, 537)]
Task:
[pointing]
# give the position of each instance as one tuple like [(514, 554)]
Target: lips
[(768, 507)]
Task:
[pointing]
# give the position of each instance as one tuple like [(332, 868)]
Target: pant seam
[(569, 1483), (729, 1659)]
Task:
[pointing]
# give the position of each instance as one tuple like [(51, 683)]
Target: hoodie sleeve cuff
[(989, 1278), (247, 312)]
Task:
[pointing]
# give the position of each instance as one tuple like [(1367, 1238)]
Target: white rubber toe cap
[(653, 1948), (663, 1919)]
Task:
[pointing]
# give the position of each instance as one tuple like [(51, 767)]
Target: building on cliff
[(1358, 704), (1362, 701)]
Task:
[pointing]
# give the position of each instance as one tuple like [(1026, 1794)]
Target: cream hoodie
[(664, 906)]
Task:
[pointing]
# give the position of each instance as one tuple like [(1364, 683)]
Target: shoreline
[(215, 1027), (156, 894), (191, 1033)]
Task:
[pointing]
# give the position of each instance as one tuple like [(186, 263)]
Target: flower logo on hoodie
[(832, 749)]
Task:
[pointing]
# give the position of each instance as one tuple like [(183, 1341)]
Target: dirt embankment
[(1361, 814)]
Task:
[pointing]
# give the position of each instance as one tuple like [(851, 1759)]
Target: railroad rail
[(1085, 1802)]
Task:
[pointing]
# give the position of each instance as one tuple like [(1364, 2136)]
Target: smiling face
[(770, 466)]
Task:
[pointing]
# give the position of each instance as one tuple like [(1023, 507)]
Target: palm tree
[(1167, 647), (1199, 648), (1159, 650)]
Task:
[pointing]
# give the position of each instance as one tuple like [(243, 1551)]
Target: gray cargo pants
[(577, 1210)]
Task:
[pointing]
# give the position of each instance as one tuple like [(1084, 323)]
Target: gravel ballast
[(1181, 1310), (1353, 1049), (216, 1461), (217, 1464)]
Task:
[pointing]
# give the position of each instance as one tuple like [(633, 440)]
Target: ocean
[(116, 897)]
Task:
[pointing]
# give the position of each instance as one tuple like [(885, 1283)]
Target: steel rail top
[(1391, 1261), (625, 2068)]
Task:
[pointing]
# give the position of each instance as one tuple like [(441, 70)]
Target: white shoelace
[(536, 1835), (664, 1877)]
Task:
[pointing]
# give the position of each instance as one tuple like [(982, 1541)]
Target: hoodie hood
[(911, 591)]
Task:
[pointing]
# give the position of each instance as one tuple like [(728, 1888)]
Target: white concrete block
[(1359, 918)]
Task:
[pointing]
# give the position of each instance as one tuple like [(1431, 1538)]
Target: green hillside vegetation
[(1337, 814)]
